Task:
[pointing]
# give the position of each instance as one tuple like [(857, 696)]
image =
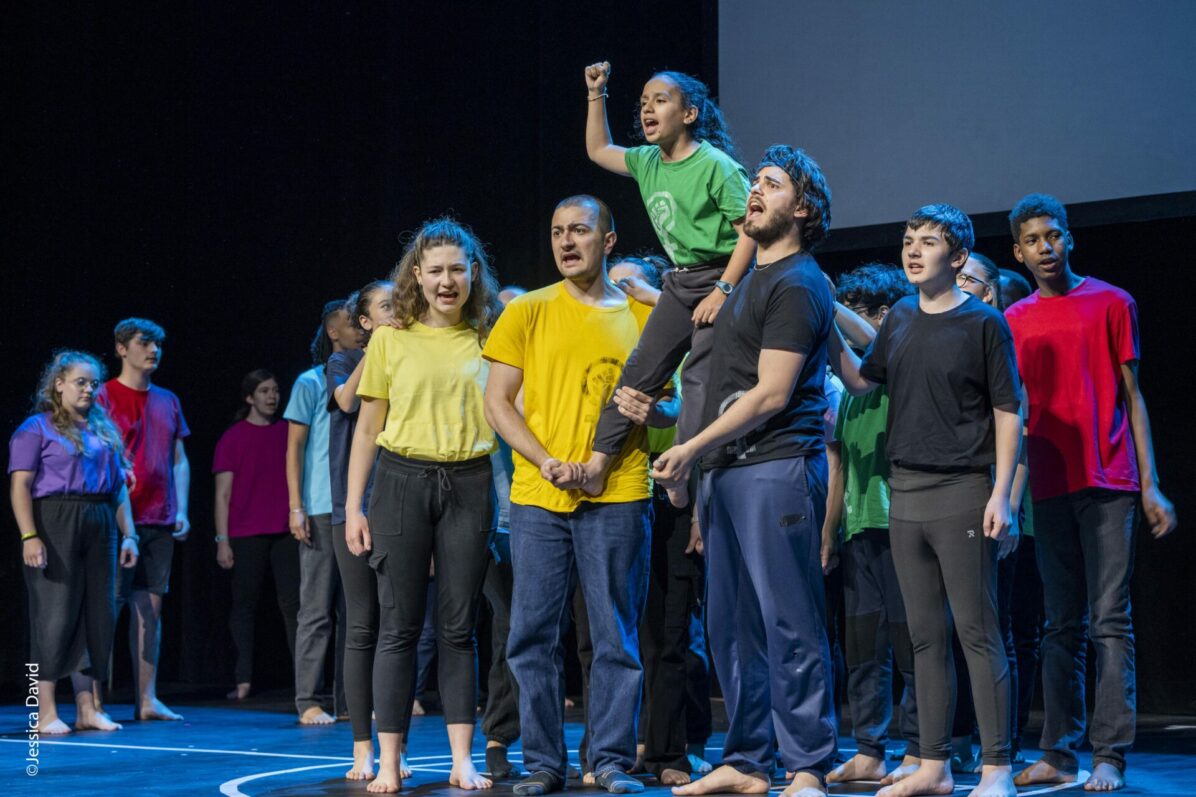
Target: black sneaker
[(617, 782), (538, 783), (497, 764)]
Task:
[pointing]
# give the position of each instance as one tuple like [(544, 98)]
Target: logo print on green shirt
[(662, 210)]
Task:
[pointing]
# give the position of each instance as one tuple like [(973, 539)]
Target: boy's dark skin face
[(1044, 246)]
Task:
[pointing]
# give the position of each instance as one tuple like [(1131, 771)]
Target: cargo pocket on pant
[(386, 594)]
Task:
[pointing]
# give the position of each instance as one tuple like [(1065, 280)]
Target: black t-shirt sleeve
[(338, 370), (1004, 386), (874, 364), (790, 318)]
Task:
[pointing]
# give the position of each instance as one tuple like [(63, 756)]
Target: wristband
[(30, 536), (601, 96), (298, 509), (128, 537), (221, 538)]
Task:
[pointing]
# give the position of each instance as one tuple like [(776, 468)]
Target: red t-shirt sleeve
[(1123, 330), (228, 451)]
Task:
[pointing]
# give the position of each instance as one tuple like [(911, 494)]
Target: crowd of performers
[(644, 441)]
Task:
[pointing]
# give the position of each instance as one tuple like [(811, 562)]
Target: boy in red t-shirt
[(1090, 458), (151, 421)]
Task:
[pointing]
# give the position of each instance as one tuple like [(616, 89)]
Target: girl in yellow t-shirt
[(421, 402)]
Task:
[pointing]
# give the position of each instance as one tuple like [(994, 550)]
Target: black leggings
[(948, 568), (419, 510)]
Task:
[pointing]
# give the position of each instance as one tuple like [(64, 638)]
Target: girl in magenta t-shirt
[(251, 517), (67, 464)]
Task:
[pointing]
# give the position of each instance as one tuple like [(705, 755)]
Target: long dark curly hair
[(710, 124)]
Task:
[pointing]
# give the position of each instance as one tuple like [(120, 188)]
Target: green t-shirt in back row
[(691, 202), (860, 429)]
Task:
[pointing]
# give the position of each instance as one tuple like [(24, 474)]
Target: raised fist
[(596, 77)]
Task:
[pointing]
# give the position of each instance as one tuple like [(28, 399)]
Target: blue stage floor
[(254, 750)]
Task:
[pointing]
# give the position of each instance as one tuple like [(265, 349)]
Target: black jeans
[(73, 599), (500, 722), (1026, 619), (251, 557), (1085, 545), (877, 636), (675, 587), (361, 617), (419, 510)]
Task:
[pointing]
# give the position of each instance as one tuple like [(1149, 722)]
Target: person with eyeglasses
[(67, 468), (981, 278)]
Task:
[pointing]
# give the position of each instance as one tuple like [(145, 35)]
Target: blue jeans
[(762, 530), (1085, 547), (610, 545)]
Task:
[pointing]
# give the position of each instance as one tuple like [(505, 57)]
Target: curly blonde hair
[(481, 308), (47, 399)]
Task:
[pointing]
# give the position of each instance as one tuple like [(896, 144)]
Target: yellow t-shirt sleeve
[(507, 343), (375, 374)]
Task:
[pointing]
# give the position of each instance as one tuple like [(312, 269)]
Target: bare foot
[(1042, 773), (466, 776), (569, 704), (92, 720), (54, 727), (316, 716), (404, 767), (726, 780), (239, 693), (387, 781), (995, 782), (908, 766), (804, 785), (933, 777), (588, 779), (417, 709), (157, 710), (858, 767), (1105, 777), (699, 765), (673, 777), (363, 761), (679, 495)]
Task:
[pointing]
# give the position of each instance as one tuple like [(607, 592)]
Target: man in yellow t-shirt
[(565, 346)]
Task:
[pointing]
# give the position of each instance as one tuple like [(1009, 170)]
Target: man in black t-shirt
[(954, 432), (763, 493)]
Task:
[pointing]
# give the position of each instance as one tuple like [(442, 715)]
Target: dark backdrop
[(225, 170)]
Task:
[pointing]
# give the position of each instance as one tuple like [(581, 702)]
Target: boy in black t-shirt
[(954, 433), (763, 493)]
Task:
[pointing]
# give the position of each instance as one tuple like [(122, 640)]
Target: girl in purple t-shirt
[(251, 518), (67, 464)]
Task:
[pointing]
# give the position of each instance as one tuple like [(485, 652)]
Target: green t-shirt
[(860, 429), (691, 202)]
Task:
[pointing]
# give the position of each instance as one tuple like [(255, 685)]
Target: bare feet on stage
[(465, 775), (1040, 773), (1105, 777), (155, 709), (386, 782), (726, 780), (52, 727), (858, 767), (404, 767), (417, 709), (697, 761), (240, 692), (363, 761), (931, 777), (995, 782), (88, 717), (908, 766), (316, 716), (673, 777), (804, 785)]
